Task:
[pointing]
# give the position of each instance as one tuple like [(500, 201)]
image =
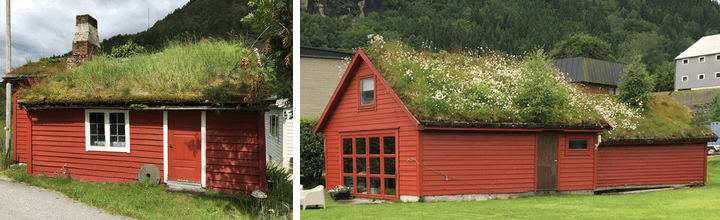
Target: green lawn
[(693, 203)]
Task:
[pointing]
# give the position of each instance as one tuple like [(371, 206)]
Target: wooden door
[(369, 165), (547, 161), (184, 146)]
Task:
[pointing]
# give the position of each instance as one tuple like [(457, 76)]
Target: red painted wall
[(576, 168), (58, 145), (645, 164), (19, 134), (478, 162), (387, 114), (235, 151)]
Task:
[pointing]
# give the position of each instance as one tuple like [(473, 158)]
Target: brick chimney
[(86, 42)]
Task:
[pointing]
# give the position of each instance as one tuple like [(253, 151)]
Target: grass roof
[(486, 87), (663, 119), (213, 71)]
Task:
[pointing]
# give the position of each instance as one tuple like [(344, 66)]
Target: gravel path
[(19, 201)]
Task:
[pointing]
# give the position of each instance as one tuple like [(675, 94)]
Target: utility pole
[(8, 86)]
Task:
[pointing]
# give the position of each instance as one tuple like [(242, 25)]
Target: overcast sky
[(41, 28)]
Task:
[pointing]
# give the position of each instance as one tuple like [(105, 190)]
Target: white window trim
[(277, 123), (717, 56), (372, 79), (107, 148), (716, 74), (684, 78), (703, 76), (701, 59), (685, 62)]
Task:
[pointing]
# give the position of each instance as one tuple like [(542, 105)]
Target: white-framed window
[(684, 78), (701, 76), (685, 62), (701, 59), (107, 130), (717, 56), (717, 74), (367, 91), (274, 125)]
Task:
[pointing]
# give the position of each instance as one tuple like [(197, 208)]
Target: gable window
[(701, 76), (685, 61), (367, 91), (701, 59), (685, 78), (274, 125), (107, 130), (717, 57)]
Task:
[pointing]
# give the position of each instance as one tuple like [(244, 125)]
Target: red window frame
[(367, 157), (579, 152)]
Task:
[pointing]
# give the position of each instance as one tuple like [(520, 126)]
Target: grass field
[(692, 203)]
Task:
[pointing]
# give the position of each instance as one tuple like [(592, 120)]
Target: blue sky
[(41, 28)]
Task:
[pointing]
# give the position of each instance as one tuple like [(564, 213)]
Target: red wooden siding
[(235, 151), (347, 117), (651, 164), (20, 129), (58, 145), (576, 168), (478, 162)]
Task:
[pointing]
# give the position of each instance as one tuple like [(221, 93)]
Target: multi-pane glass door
[(369, 165)]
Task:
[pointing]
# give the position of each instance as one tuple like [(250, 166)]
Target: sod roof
[(488, 90), (209, 72)]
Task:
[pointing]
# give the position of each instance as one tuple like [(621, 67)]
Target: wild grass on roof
[(216, 71), (480, 88), (664, 119)]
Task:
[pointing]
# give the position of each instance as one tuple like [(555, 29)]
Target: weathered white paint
[(165, 145), (203, 146)]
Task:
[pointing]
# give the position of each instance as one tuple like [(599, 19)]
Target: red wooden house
[(379, 145), (190, 143)]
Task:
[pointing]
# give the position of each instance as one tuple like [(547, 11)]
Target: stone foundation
[(481, 197)]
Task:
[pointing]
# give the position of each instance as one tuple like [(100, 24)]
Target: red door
[(184, 146)]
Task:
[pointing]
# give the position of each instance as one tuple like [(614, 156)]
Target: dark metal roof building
[(583, 69)]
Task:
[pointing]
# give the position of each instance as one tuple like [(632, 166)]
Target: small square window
[(701, 76), (717, 75), (685, 78), (578, 145), (701, 59), (717, 57), (367, 91), (685, 61)]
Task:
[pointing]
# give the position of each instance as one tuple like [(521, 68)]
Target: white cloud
[(46, 28)]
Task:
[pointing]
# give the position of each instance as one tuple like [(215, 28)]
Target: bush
[(312, 154), (636, 84), (280, 195), (128, 49), (542, 94)]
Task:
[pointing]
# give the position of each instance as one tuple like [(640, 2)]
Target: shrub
[(280, 195), (312, 153), (636, 84), (542, 93), (128, 49)]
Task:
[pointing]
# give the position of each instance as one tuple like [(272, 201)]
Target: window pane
[(121, 141), (113, 129), (389, 166), (360, 165), (101, 129), (94, 140), (578, 144), (93, 129), (390, 186), (375, 186), (121, 130), (375, 165), (362, 184), (360, 146), (120, 118), (366, 91), (374, 145), (347, 165), (348, 181), (113, 118), (347, 146), (389, 145), (113, 141)]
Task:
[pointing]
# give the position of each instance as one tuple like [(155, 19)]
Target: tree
[(664, 77), (636, 84), (312, 153), (584, 45), (272, 21)]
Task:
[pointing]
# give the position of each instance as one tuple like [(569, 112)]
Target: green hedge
[(312, 153)]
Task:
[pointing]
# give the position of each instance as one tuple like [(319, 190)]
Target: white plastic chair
[(315, 196)]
